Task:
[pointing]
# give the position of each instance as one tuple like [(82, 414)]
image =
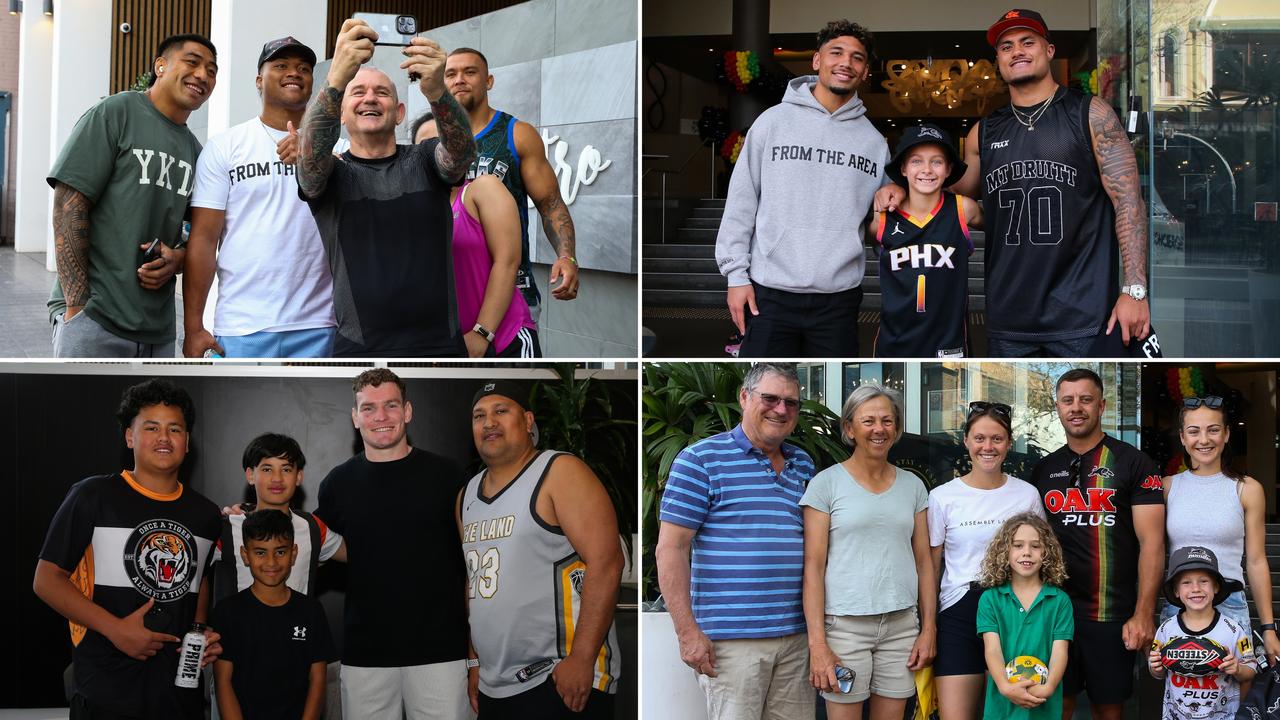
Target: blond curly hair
[(995, 564)]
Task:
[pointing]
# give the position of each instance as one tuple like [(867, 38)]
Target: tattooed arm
[(540, 182), (1119, 170), (71, 245), (457, 148), (320, 128)]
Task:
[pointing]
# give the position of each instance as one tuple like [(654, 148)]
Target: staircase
[(682, 274)]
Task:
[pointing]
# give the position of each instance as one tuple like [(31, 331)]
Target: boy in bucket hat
[(1196, 586), (924, 251)]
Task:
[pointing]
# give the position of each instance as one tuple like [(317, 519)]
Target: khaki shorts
[(876, 649), (760, 679)]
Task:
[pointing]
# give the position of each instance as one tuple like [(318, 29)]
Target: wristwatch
[(473, 663), (1137, 292), (483, 332), (1268, 626)]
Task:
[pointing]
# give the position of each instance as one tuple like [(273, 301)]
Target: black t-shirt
[(1051, 255), (1093, 519), (271, 650), (387, 230), (123, 545), (405, 574)]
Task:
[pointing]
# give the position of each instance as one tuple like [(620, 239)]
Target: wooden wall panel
[(430, 13), (152, 21)]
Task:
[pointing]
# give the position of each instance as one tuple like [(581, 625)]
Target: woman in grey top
[(1211, 505), (869, 598)]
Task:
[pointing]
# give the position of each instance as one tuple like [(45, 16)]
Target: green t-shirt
[(1025, 632), (137, 168)]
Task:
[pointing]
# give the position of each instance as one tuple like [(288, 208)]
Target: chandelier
[(949, 83)]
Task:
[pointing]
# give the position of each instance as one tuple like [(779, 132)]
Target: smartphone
[(152, 252), (394, 30)]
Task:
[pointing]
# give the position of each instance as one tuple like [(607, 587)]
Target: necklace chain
[(1030, 119)]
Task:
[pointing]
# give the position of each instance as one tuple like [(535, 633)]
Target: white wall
[(35, 72)]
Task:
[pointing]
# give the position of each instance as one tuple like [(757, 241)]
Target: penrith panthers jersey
[(1052, 263), (125, 545), (525, 585)]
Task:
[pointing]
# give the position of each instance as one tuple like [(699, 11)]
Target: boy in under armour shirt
[(924, 252)]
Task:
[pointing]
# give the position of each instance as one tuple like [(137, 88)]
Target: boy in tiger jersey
[(541, 544), (125, 561), (924, 252)]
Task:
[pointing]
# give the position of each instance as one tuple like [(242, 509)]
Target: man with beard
[(1104, 500), (790, 241), (542, 551), (383, 210), (275, 292), (125, 561), (394, 505), (1061, 193), (732, 506), (513, 151), (121, 184)]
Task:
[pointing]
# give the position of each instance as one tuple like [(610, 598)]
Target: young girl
[(1024, 612)]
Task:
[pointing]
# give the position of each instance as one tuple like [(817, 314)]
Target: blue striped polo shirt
[(748, 553)]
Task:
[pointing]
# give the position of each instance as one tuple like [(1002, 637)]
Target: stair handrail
[(683, 165)]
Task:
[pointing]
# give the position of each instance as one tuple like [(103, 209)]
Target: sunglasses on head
[(1213, 402), (770, 400), (979, 406)]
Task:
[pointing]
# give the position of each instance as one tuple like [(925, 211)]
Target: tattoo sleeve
[(71, 243), (319, 133), (457, 148), (1119, 170), (556, 222)]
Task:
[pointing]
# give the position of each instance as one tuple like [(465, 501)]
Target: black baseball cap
[(1017, 18), (1112, 346), (276, 48), (1194, 557), (506, 388), (920, 135)]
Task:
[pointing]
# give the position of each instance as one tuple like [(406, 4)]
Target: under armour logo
[(897, 230), (299, 633)]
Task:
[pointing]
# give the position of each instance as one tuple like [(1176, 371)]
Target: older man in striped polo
[(732, 501)]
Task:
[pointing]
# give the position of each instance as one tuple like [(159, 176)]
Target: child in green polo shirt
[(1024, 618)]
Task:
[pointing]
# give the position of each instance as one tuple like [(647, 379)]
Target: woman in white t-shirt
[(866, 566), (964, 514)]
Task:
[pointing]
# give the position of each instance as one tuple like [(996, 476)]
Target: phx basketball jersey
[(1051, 253), (496, 145), (924, 282), (524, 585)]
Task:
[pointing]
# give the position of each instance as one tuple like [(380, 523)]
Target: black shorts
[(960, 649), (1099, 663), (544, 703)]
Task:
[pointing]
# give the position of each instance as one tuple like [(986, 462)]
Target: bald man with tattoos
[(383, 209), (1061, 193)]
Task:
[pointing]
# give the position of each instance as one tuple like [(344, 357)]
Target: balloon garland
[(741, 67), (732, 146)]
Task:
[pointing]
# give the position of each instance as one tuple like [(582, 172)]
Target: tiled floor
[(24, 317)]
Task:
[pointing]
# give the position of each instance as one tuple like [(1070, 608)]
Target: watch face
[(1137, 292)]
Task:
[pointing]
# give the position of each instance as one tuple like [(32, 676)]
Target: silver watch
[(1137, 292)]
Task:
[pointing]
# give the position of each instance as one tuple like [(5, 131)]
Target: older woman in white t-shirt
[(964, 514), (868, 582)]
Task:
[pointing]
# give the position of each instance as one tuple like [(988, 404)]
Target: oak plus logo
[(1082, 507)]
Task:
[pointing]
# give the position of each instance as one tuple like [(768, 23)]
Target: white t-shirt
[(871, 568), (300, 576), (272, 272), (963, 519), (1216, 697)]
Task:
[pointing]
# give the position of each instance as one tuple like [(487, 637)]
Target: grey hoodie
[(800, 195)]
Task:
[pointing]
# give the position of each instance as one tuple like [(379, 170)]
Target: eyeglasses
[(771, 401), (1213, 402), (979, 406)]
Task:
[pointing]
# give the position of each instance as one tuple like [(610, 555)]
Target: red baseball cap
[(1017, 18)]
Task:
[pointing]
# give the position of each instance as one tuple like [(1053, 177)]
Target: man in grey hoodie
[(790, 242)]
